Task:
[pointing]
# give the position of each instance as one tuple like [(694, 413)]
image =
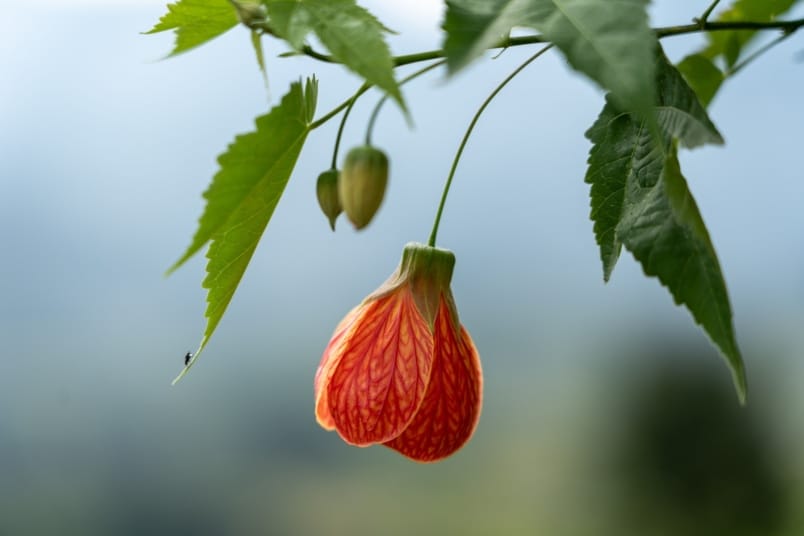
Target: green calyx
[(426, 263), (326, 190), (428, 272), (362, 183), (250, 12)]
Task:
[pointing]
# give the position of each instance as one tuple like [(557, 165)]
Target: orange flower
[(400, 370)]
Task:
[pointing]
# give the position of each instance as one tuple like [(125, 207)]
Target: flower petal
[(383, 366), (451, 409), (329, 360)]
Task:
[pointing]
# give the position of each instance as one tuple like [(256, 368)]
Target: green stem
[(466, 135), (734, 70), (699, 26), (788, 26), (384, 98), (335, 111), (352, 102)]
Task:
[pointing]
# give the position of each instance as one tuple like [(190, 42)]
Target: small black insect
[(187, 358)]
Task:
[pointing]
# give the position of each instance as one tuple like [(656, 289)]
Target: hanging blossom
[(400, 370)]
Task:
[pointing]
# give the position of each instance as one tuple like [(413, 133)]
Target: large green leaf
[(663, 229), (624, 150), (351, 34), (196, 22), (607, 40), (640, 200), (243, 195)]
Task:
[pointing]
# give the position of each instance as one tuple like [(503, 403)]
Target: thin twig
[(703, 18), (734, 70)]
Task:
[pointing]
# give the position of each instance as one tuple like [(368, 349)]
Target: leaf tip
[(740, 382), (190, 363)]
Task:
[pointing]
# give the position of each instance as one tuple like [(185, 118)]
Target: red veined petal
[(382, 371), (450, 411), (329, 360)]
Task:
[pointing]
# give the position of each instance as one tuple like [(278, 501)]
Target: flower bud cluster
[(358, 189)]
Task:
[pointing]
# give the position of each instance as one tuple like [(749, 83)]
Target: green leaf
[(352, 35), (706, 70), (243, 195), (607, 40), (729, 44), (663, 229), (625, 151), (473, 26), (196, 22), (702, 75), (640, 200)]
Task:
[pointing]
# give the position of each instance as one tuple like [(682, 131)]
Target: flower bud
[(362, 184), (327, 192)]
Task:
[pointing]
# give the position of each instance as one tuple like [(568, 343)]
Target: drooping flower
[(400, 370)]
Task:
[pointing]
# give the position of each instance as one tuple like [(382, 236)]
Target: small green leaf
[(702, 75), (706, 70), (196, 22), (625, 151), (663, 229), (243, 195), (607, 40), (352, 35), (729, 44)]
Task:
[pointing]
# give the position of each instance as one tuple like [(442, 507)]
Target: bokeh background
[(606, 410)]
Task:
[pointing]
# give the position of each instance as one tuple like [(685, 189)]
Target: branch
[(786, 26), (699, 26)]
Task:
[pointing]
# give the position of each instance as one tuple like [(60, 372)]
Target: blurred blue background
[(606, 410)]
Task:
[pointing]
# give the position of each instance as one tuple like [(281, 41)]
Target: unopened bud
[(327, 191), (362, 184)]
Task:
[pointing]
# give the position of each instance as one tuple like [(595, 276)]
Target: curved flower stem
[(376, 111), (458, 154), (343, 124)]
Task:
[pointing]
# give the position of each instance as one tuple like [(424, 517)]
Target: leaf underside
[(607, 40), (352, 35), (253, 173), (195, 22), (640, 200)]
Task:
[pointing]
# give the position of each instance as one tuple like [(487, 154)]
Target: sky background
[(104, 152)]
